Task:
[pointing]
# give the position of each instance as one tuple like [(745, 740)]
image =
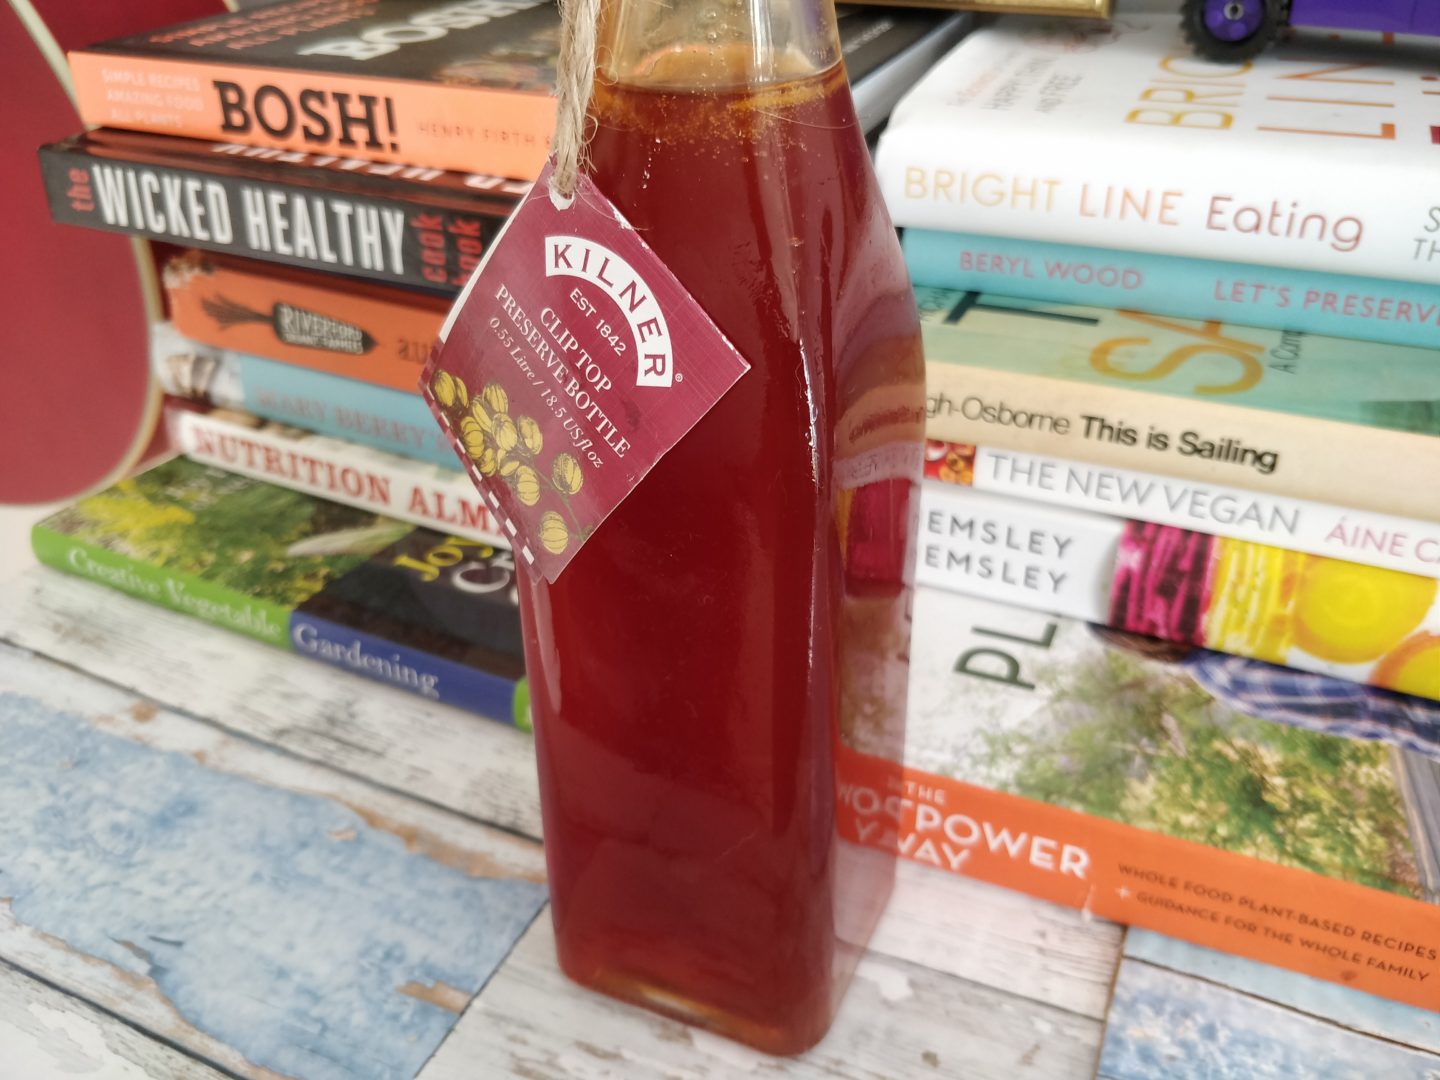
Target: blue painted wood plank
[(278, 923), (1166, 1024), (1326, 1000)]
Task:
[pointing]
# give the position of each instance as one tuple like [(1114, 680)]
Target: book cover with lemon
[(428, 613), (1351, 621), (1270, 813)]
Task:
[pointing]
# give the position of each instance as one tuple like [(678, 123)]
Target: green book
[(429, 613)]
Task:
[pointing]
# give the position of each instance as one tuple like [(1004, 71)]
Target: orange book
[(359, 330), (1275, 814), (461, 85)]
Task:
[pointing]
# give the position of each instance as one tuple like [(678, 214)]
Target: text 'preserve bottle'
[(741, 620)]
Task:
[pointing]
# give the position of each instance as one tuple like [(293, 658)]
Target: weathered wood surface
[(486, 771), (948, 942), (47, 1035), (898, 1021), (962, 980), (1166, 1023), (1000, 939), (1360, 1012), (479, 768), (270, 916)]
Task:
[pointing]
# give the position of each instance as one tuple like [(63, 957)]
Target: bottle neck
[(715, 44)]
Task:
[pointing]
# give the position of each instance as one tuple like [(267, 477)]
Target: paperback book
[(422, 227), (334, 469), (1315, 155), (1274, 814), (1340, 618), (1277, 298), (463, 85), (1323, 419), (359, 412), (432, 614), (358, 330), (1337, 532)]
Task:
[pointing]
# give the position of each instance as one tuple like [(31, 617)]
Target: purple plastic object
[(1234, 20), (1395, 16), (1235, 30)]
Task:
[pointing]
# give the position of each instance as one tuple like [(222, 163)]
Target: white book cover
[(344, 472), (1329, 616), (1321, 154), (1381, 540), (1026, 553)]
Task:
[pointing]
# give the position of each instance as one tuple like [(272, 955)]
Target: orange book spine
[(506, 133), (1335, 930), (359, 331)]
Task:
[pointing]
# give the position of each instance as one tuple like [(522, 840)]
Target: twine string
[(575, 79)]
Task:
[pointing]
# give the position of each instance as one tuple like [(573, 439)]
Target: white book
[(1360, 536), (1319, 155), (343, 472), (1329, 616)]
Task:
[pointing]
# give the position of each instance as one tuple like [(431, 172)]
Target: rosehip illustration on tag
[(572, 362)]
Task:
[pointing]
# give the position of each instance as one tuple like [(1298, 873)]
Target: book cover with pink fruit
[(1344, 619)]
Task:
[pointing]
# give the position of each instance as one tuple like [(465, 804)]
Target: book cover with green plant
[(1289, 767), (429, 613)]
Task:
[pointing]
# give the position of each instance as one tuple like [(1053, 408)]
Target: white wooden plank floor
[(1025, 981), (961, 979)]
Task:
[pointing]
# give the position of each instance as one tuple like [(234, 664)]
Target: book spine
[(1323, 615), (1117, 191), (179, 592), (1379, 540), (432, 677), (391, 120), (1278, 298), (396, 239), (373, 416), (1274, 453), (321, 324), (331, 469)]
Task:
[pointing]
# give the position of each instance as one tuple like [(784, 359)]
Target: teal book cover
[(1278, 297), (1386, 386)]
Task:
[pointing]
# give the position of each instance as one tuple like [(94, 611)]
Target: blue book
[(1270, 297), (375, 416)]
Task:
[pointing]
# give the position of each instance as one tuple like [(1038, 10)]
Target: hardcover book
[(432, 614), (1316, 155), (462, 85), (1374, 626), (335, 469), (396, 421), (358, 330), (1324, 419), (1274, 814), (422, 227), (1277, 297), (1338, 532)]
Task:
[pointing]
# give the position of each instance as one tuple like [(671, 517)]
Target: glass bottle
[(695, 667)]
